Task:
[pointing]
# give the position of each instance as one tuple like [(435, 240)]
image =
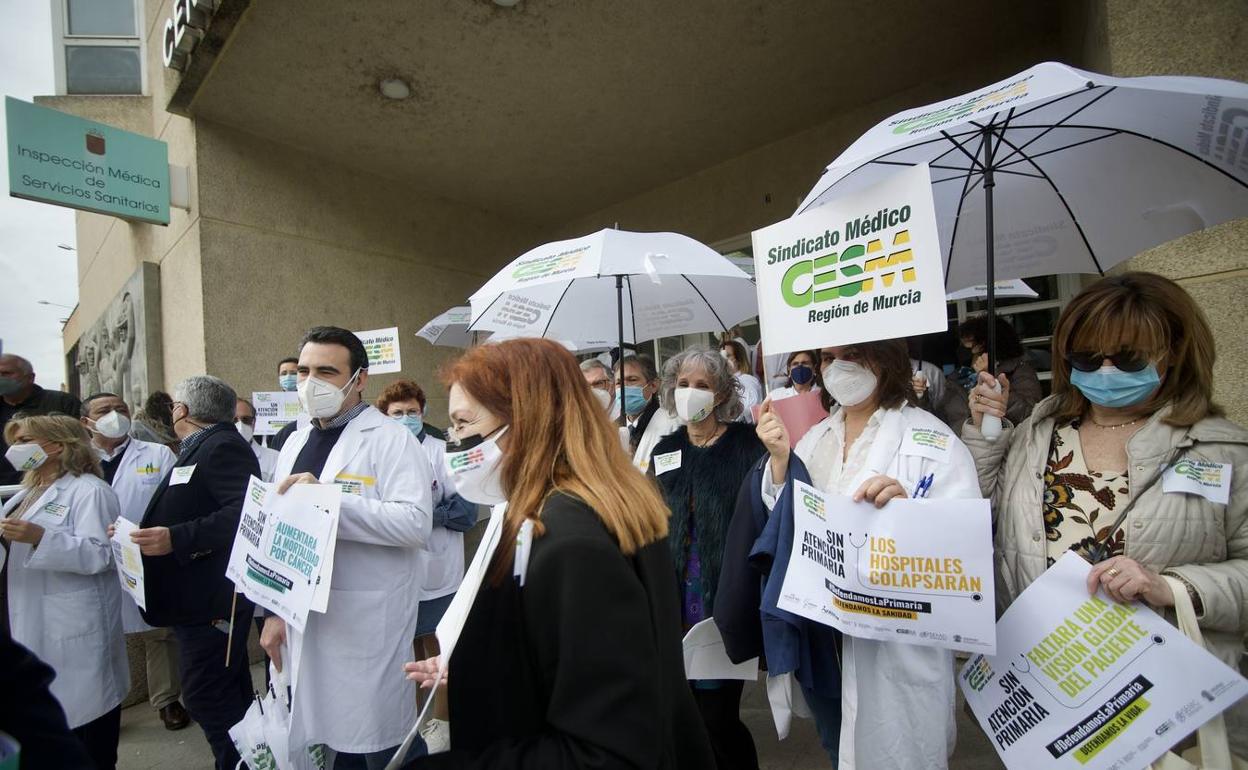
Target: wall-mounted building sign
[(65, 160), (184, 28)]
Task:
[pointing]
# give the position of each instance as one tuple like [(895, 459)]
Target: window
[(99, 48)]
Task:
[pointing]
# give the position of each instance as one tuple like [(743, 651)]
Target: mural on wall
[(119, 353)]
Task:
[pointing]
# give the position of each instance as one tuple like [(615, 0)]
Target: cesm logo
[(464, 460), (184, 29)]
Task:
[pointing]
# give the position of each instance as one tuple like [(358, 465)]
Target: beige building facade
[(314, 198)]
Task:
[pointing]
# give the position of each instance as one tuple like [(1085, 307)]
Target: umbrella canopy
[(615, 285), (1089, 170), (1014, 287), (449, 328)]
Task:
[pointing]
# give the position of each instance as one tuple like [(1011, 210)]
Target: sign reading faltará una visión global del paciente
[(863, 267), (69, 161)]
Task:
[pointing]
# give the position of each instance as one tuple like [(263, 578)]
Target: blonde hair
[(77, 455), (1148, 313)]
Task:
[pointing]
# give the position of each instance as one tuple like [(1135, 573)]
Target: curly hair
[(727, 391), (401, 390)]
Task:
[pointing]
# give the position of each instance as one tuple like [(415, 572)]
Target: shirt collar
[(193, 440), (108, 456), (344, 418)]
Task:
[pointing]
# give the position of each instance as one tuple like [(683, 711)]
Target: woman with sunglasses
[(570, 653), (1099, 466)]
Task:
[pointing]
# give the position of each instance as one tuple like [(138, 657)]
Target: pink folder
[(799, 413)]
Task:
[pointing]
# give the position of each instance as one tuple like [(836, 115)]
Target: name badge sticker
[(181, 475), (1210, 480), (927, 442), (668, 461), (352, 484), (53, 512)]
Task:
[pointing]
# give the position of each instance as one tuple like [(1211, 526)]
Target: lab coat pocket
[(362, 622), (71, 614)]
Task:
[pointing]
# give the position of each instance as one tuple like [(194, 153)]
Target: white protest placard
[(383, 350), (706, 657), (1081, 681), (274, 409), (129, 561), (279, 553), (864, 267), (915, 571)]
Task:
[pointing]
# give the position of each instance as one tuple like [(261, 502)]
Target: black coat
[(705, 488), (31, 714), (189, 585), (580, 668)]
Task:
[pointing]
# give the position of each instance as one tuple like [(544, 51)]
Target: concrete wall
[(289, 241), (1209, 39), (109, 249)]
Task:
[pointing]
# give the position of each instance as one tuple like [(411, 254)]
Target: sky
[(32, 268)]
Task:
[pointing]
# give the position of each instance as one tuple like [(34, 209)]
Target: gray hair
[(643, 362), (727, 391), (590, 364), (21, 364), (208, 399)]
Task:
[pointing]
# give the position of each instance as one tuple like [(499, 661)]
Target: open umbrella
[(1058, 170), (449, 329), (657, 284), (1015, 287)]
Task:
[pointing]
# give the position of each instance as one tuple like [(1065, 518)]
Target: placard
[(129, 560), (914, 571), (1081, 681), (383, 350), (864, 267), (280, 553), (274, 409)]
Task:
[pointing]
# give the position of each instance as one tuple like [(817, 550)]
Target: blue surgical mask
[(414, 423), (634, 399), (1110, 386), (288, 382), (801, 375)]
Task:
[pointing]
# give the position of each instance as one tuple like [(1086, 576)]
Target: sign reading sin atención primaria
[(68, 161)]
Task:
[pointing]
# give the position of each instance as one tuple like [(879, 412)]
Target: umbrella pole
[(989, 240), (619, 314)]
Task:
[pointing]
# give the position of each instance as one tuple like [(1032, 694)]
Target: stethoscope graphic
[(1024, 668), (858, 546)]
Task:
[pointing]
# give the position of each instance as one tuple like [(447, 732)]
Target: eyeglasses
[(1124, 360)]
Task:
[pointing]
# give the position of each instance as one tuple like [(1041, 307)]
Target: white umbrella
[(615, 284), (449, 328), (1015, 287), (1058, 170)]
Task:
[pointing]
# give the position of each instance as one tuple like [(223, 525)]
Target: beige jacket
[(1203, 542)]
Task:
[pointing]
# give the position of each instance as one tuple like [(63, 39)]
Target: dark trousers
[(730, 738), (100, 736), (216, 695), (827, 714), (377, 760)]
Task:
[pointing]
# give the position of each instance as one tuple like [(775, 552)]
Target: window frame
[(62, 39)]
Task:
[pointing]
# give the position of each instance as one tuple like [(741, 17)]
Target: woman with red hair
[(570, 655)]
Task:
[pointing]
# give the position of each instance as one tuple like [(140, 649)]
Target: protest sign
[(279, 555), (1084, 682), (799, 413), (129, 561), (864, 267), (915, 571), (274, 409), (382, 346)]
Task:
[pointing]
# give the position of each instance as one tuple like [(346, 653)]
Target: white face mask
[(26, 457), (849, 383), (320, 399), (605, 399), (112, 425), (245, 430), (693, 404), (475, 470)]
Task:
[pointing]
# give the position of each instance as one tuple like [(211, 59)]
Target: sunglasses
[(1124, 360)]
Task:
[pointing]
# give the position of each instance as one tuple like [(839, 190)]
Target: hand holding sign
[(775, 437), (1126, 580)]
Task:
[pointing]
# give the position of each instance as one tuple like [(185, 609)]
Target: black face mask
[(963, 356)]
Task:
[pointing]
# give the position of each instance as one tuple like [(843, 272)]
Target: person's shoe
[(174, 716), (437, 735)]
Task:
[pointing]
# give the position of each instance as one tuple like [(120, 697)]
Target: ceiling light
[(394, 88)]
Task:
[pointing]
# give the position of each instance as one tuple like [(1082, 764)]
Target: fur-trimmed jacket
[(701, 484)]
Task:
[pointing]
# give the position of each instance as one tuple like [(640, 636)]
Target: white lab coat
[(660, 425), (267, 458), (897, 700), (788, 391), (138, 475), (65, 598), (751, 394), (444, 568), (349, 691)]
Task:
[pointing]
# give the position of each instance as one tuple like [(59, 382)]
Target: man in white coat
[(245, 424), (134, 468), (349, 692)]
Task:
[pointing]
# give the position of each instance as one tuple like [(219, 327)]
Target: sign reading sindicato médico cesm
[(859, 268), (69, 161)]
